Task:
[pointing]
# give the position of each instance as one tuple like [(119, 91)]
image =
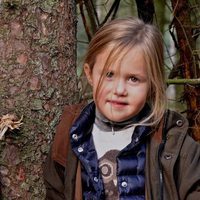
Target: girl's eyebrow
[(136, 74)]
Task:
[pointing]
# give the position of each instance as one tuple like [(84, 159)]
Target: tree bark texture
[(188, 64), (37, 78)]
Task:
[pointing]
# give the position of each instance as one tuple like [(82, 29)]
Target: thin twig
[(116, 2), (87, 30), (184, 81)]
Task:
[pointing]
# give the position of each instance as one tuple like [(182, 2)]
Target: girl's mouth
[(116, 103)]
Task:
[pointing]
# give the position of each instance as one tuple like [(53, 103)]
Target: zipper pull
[(113, 131)]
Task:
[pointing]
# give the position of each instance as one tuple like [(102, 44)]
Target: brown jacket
[(180, 161)]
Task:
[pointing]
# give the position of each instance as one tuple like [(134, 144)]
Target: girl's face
[(124, 88)]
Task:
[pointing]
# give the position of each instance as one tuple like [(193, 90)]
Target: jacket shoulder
[(61, 139), (176, 119)]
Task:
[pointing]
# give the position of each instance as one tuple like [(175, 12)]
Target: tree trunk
[(37, 78), (188, 64)]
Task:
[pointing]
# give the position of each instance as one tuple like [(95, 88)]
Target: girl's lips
[(118, 103)]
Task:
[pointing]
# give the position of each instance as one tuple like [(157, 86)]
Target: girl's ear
[(88, 73)]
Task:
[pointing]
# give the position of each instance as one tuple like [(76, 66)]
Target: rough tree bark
[(37, 77), (188, 66)]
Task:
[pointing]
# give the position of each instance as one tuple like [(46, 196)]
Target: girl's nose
[(120, 88)]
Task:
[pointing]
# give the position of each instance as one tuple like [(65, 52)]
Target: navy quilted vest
[(130, 161)]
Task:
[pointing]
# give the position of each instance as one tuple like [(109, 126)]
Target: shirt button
[(80, 149), (179, 123), (96, 179), (75, 136), (124, 184)]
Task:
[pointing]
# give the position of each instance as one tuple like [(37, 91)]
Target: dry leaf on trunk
[(9, 121)]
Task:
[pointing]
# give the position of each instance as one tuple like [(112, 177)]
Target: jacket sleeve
[(53, 174), (194, 194), (190, 184), (55, 164)]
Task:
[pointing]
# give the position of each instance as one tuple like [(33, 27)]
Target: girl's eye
[(133, 79), (109, 74)]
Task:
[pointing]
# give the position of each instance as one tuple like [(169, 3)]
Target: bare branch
[(184, 81), (92, 15), (87, 30), (114, 8), (145, 10)]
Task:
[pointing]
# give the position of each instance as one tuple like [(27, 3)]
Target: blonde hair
[(124, 34)]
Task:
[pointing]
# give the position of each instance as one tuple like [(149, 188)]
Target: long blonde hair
[(123, 35)]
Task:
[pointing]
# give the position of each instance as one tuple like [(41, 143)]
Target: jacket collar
[(83, 124), (106, 125)]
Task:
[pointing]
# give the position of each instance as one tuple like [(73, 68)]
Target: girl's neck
[(106, 125)]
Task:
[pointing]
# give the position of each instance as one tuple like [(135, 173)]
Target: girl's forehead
[(125, 63), (112, 56)]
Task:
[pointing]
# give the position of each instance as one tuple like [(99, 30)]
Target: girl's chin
[(114, 118)]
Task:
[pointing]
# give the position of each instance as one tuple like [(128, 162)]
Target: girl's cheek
[(106, 87)]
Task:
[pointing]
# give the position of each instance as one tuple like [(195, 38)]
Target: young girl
[(125, 144)]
